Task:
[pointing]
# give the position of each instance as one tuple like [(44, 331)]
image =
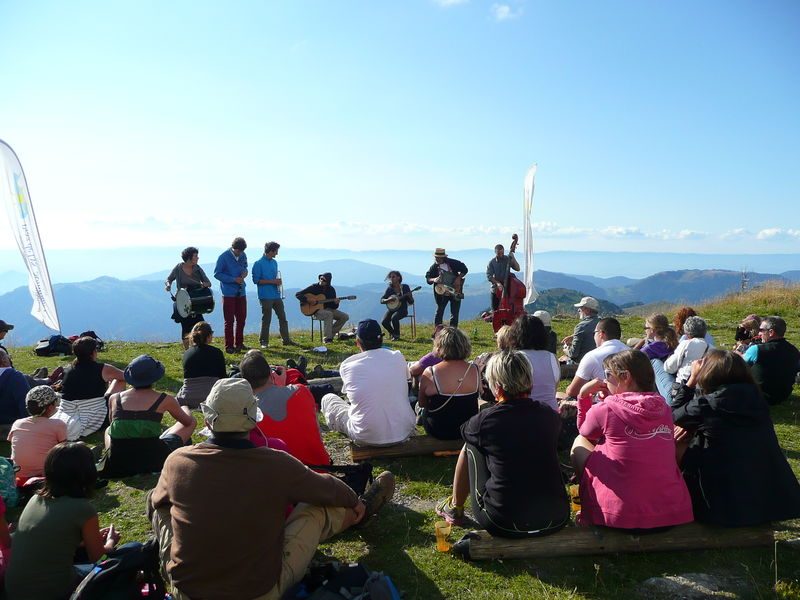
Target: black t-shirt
[(204, 361), (83, 381), (519, 440)]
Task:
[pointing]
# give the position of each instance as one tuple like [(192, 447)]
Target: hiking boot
[(302, 363), (242, 348), (230, 350), (264, 346), (289, 343), (450, 513), (40, 373), (317, 372), (377, 494)]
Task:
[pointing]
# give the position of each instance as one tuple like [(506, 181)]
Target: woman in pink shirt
[(624, 456), (33, 437)]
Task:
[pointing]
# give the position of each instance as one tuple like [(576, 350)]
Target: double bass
[(512, 295)]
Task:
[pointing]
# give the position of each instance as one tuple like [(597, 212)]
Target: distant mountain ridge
[(139, 309)]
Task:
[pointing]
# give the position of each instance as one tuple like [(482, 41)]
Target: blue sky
[(655, 126)]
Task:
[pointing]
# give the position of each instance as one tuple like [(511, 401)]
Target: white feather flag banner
[(14, 195), (527, 206)]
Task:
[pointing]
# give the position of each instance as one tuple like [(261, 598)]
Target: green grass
[(400, 540)]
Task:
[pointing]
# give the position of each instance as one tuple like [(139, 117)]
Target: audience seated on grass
[(691, 347), (58, 528), (607, 335), (218, 508), (289, 412), (624, 456), (134, 441), (729, 454), (509, 465), (529, 336), (547, 321), (33, 437), (203, 364), (85, 389), (774, 362), (448, 391), (13, 387), (680, 319), (377, 411)]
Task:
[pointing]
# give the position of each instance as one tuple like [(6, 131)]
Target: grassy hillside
[(401, 541)]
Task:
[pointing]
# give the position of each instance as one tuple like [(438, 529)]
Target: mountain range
[(139, 308)]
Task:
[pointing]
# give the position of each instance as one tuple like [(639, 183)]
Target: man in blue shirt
[(231, 271), (266, 276)]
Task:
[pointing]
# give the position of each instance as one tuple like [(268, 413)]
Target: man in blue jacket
[(231, 271), (268, 280)]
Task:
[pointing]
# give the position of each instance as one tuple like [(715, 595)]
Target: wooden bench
[(418, 445), (577, 541)]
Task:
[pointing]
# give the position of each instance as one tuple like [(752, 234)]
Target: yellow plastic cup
[(442, 529)]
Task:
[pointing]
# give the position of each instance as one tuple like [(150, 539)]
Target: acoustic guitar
[(393, 301), (309, 309)]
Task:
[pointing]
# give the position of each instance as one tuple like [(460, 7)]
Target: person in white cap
[(219, 508), (582, 339)]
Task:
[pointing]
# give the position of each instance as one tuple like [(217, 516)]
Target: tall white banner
[(14, 195), (527, 206)]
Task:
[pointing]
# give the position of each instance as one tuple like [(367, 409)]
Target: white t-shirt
[(376, 383), (591, 365), (546, 373)]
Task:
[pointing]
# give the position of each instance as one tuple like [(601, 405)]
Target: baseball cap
[(5, 326), (230, 407), (588, 302), (369, 330)]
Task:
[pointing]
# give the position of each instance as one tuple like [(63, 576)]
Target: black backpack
[(55, 344), (125, 575), (100, 343)]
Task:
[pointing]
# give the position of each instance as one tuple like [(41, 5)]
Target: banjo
[(393, 302), (449, 284)]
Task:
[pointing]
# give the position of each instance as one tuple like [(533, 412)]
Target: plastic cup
[(575, 497), (442, 529)]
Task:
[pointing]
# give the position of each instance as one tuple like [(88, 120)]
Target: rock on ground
[(695, 586)]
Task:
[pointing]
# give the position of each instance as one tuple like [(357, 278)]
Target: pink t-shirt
[(31, 439)]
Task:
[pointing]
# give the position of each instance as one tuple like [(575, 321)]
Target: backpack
[(130, 572), (100, 343), (335, 581), (55, 344), (8, 482)]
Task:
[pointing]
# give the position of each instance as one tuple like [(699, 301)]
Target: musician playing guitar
[(446, 275), (497, 270), (333, 319), (397, 297)]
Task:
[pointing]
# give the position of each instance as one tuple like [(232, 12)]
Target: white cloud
[(739, 232), (504, 12), (776, 233)]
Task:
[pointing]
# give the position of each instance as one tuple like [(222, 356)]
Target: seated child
[(54, 524), (32, 437)]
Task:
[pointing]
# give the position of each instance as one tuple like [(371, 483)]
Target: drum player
[(446, 275), (190, 276)]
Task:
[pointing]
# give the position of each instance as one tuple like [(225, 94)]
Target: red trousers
[(234, 308)]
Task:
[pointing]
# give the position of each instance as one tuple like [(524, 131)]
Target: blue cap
[(369, 330)]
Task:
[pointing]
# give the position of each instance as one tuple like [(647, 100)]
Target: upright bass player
[(498, 268)]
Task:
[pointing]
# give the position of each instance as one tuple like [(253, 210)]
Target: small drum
[(194, 302)]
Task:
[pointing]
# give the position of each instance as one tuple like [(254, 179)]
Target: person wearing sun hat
[(32, 437), (582, 339), (134, 439), (453, 270), (229, 491)]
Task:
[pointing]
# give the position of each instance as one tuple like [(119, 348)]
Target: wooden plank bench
[(578, 541), (418, 445)]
